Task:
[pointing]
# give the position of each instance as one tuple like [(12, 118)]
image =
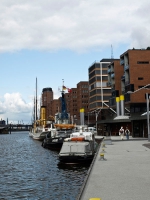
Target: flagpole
[(62, 84)]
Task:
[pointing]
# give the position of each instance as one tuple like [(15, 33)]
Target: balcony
[(112, 70), (121, 62), (109, 71), (126, 67), (108, 84), (127, 83), (112, 88), (112, 75), (123, 77), (112, 101)]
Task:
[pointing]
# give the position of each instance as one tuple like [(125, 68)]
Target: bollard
[(95, 199), (101, 156)]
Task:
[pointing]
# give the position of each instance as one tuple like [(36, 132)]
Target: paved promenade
[(124, 174)]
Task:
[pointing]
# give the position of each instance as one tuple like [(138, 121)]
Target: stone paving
[(123, 174)]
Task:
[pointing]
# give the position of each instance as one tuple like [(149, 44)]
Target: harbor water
[(30, 172)]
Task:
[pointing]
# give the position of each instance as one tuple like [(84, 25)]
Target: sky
[(56, 40)]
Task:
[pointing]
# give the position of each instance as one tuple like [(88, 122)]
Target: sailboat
[(41, 127)]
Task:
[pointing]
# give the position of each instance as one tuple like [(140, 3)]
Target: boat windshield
[(75, 147)]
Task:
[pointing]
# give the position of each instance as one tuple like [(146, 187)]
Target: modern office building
[(99, 91)]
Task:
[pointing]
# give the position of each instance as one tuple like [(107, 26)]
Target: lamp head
[(130, 92)]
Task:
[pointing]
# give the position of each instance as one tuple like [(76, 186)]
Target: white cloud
[(15, 108), (76, 25), (56, 93)]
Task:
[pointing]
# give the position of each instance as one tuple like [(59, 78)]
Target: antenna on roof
[(112, 52)]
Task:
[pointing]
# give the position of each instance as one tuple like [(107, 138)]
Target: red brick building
[(75, 100), (47, 99), (128, 82)]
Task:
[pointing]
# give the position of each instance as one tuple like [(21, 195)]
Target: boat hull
[(39, 136), (76, 159), (4, 132), (53, 143)]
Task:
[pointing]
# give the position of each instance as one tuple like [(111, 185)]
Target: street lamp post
[(96, 114), (147, 100), (147, 103)]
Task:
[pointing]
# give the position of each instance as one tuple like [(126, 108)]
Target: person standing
[(121, 132), (127, 133)]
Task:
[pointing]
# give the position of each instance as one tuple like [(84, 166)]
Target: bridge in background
[(17, 127)]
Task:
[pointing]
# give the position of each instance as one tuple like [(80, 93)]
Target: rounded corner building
[(47, 98)]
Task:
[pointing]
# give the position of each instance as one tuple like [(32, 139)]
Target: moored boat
[(39, 133), (63, 127), (79, 148), (54, 139), (42, 126), (4, 130)]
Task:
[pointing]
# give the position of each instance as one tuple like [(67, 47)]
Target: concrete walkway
[(123, 174)]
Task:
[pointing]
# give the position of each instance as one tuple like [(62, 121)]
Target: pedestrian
[(127, 133), (121, 132)]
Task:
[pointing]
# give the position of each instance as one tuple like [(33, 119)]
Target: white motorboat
[(79, 148)]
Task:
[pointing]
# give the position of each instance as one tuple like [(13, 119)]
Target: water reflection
[(28, 171)]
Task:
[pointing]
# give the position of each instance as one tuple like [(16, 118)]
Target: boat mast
[(34, 118), (36, 102)]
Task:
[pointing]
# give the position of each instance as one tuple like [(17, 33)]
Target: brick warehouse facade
[(136, 64), (75, 100), (130, 76), (83, 99)]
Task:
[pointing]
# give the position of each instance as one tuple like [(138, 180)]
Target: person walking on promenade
[(127, 133), (121, 132)]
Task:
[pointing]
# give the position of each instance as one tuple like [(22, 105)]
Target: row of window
[(99, 98), (98, 78), (84, 101), (84, 96), (96, 104), (98, 72), (85, 91), (97, 66), (98, 91), (142, 62), (84, 86)]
